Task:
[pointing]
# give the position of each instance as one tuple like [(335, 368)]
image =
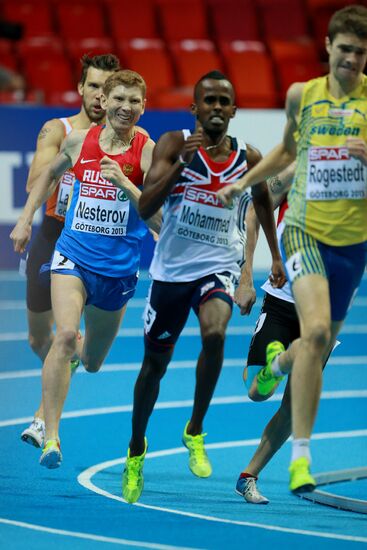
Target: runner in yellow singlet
[(324, 242)]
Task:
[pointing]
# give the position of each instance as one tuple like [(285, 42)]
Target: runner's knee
[(155, 364), (318, 336), (91, 365), (213, 339), (40, 344), (66, 341)]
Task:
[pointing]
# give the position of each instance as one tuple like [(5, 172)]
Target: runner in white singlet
[(196, 262)]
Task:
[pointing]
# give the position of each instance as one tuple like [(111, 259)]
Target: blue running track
[(79, 506)]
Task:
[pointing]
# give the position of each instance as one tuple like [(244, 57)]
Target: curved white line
[(89, 536), (85, 477)]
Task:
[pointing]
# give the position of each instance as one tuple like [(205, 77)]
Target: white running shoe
[(35, 433), (246, 487)]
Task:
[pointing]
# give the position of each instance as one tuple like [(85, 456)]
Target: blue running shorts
[(107, 293), (343, 266)]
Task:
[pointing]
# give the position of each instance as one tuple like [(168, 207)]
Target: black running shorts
[(277, 321), (43, 244), (169, 305)]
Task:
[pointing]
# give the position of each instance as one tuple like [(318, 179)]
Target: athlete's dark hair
[(349, 20), (106, 62), (213, 75)]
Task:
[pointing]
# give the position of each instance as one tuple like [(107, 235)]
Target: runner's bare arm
[(49, 142), (42, 188), (46, 182), (264, 211), (245, 293), (154, 222), (170, 156), (279, 185), (278, 159)]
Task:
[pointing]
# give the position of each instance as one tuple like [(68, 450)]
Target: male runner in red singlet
[(96, 260), (95, 71)]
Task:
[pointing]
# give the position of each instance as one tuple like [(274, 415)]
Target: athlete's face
[(214, 105), (91, 92), (347, 57), (124, 106)]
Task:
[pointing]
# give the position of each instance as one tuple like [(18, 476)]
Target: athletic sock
[(301, 447), (275, 367), (246, 475)]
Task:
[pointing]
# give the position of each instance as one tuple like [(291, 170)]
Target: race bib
[(201, 217), (332, 174), (149, 316), (59, 261), (65, 187), (294, 266), (101, 207)]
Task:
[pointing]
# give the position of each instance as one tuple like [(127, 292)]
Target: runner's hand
[(245, 297), (277, 278), (111, 171), (228, 193), (21, 235), (192, 144)]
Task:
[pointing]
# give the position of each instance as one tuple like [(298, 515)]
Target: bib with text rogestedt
[(333, 174)]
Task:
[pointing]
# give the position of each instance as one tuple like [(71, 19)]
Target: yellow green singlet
[(328, 199)]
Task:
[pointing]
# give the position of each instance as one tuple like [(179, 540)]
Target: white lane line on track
[(188, 332), (343, 360), (187, 403), (85, 480), (90, 536)]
